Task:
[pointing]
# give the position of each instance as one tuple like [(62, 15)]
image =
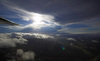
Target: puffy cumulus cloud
[(22, 37), (11, 39), (35, 35), (7, 41), (64, 11), (23, 56)]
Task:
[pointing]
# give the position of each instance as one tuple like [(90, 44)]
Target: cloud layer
[(7, 41), (11, 39), (53, 13), (64, 11)]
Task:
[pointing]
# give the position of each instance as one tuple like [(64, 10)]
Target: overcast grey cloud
[(64, 11)]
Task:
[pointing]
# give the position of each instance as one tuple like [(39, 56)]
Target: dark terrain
[(58, 49)]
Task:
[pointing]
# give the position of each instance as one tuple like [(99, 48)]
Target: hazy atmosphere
[(49, 30)]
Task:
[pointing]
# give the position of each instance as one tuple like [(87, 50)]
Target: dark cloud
[(65, 11), (74, 11)]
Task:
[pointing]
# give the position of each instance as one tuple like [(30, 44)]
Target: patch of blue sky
[(93, 29), (76, 26)]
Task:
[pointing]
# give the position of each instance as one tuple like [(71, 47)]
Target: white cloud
[(36, 35), (71, 39), (11, 39), (23, 56), (29, 55), (38, 20), (7, 41)]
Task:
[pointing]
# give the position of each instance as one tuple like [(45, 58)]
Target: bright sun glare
[(38, 21), (37, 18)]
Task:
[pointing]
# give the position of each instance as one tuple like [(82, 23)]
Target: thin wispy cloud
[(54, 13), (38, 20), (80, 30)]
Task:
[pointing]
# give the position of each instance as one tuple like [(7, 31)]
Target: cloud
[(64, 11), (35, 35), (88, 30), (93, 23), (54, 13), (73, 11), (37, 20), (33, 40), (7, 41), (23, 56), (71, 39), (83, 27)]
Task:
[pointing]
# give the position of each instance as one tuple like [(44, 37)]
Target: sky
[(51, 16), (49, 30)]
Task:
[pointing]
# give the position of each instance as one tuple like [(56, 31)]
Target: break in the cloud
[(7, 41), (80, 30), (64, 11), (48, 13), (38, 20), (85, 27), (93, 23)]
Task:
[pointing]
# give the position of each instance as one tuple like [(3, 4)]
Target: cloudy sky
[(56, 16)]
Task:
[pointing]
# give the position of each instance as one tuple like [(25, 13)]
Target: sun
[(39, 20), (38, 25)]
